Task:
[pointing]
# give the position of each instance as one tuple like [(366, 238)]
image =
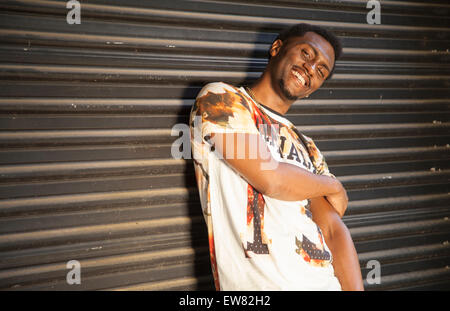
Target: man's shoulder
[(217, 88)]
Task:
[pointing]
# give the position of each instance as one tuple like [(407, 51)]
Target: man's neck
[(264, 93)]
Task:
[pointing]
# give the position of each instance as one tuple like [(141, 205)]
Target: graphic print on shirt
[(305, 209), (255, 224), (314, 254), (255, 200), (317, 158), (293, 151)]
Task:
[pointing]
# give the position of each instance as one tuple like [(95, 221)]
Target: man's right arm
[(275, 179)]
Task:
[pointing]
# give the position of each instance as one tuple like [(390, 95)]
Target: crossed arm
[(291, 183)]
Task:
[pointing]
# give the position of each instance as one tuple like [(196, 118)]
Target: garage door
[(87, 180)]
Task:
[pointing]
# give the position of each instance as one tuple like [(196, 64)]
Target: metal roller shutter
[(87, 110)]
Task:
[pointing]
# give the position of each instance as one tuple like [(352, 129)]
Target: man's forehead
[(317, 41)]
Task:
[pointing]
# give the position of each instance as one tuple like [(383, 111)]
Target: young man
[(271, 205)]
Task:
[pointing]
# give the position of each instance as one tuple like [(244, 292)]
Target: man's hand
[(339, 200)]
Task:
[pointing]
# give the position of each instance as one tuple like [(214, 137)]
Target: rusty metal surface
[(86, 113)]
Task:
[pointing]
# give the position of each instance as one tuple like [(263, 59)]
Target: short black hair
[(299, 30)]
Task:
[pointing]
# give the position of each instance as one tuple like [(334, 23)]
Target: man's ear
[(276, 47)]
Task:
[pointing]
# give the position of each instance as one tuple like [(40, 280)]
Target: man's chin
[(288, 94)]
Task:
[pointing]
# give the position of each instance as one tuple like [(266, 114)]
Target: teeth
[(299, 77)]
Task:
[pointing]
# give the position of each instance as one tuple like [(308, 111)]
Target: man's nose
[(309, 67)]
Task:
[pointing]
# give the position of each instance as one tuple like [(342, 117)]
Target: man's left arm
[(337, 236)]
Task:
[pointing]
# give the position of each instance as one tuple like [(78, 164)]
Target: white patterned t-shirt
[(256, 242)]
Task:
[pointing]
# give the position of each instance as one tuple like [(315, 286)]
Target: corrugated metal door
[(86, 117)]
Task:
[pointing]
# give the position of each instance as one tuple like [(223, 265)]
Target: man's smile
[(301, 76)]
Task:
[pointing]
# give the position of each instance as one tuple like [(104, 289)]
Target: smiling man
[(274, 215)]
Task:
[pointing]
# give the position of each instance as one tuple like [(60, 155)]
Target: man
[(273, 216)]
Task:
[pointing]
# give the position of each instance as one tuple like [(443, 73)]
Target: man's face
[(300, 65)]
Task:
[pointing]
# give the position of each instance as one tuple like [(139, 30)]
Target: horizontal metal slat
[(91, 137), (94, 184), (158, 76), (86, 169), (419, 141), (389, 204), (373, 130), (184, 89), (395, 191), (46, 204), (123, 278), (186, 283), (95, 105), (128, 213), (411, 278), (406, 253), (415, 239), (47, 122), (98, 265), (406, 228), (71, 137), (394, 179), (94, 232), (385, 168), (58, 106), (83, 153), (375, 155), (92, 249)]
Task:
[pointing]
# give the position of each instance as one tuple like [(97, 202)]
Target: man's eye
[(305, 53), (321, 73)]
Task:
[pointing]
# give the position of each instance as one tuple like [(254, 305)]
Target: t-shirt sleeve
[(220, 108)]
